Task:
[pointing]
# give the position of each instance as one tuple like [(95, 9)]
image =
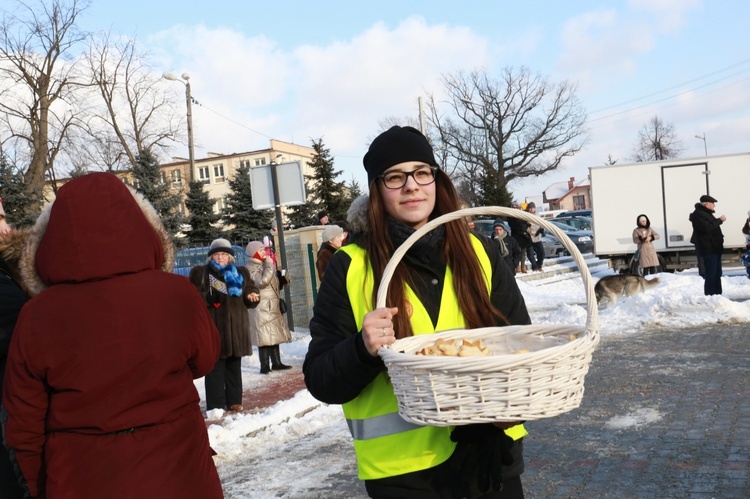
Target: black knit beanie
[(394, 146)]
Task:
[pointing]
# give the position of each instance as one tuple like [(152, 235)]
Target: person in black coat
[(229, 292), (12, 299), (709, 242), (519, 230), (508, 247), (406, 188)]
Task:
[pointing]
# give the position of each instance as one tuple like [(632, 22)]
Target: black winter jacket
[(338, 367), (519, 230), (229, 313), (707, 235)]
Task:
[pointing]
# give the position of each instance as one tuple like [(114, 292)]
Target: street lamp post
[(189, 99), (703, 138)]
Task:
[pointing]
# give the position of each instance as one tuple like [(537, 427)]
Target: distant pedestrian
[(709, 241), (333, 239), (508, 247), (267, 324), (746, 256), (12, 298), (519, 230), (535, 252), (322, 217), (643, 236), (228, 292)]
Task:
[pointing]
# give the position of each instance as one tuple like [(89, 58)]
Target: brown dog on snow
[(609, 288)]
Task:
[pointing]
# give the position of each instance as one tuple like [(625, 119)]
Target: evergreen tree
[(246, 224), (328, 194), (490, 192), (16, 195), (202, 216), (166, 202)]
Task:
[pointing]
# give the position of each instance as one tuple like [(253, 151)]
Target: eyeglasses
[(396, 179)]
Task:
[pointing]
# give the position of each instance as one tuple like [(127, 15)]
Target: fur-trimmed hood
[(11, 248), (356, 217), (96, 228)]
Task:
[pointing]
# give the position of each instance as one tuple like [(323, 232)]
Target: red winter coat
[(99, 383)]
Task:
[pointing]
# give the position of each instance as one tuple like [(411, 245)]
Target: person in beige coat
[(643, 236), (267, 324)]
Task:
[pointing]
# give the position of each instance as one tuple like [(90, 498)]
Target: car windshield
[(578, 222), (563, 226)]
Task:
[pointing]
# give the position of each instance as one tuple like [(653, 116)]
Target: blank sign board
[(291, 185)]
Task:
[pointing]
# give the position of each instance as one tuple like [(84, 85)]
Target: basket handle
[(592, 320)]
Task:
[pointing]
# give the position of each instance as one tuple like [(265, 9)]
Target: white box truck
[(667, 191)]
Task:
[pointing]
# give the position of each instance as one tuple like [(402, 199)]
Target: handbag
[(282, 305), (635, 263)]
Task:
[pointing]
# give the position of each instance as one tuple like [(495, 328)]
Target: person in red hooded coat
[(98, 393)]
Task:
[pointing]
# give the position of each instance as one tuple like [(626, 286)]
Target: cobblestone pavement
[(666, 414)]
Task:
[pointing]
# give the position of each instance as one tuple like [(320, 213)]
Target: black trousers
[(712, 282), (224, 384)]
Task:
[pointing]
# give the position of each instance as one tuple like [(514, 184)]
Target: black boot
[(265, 354), (276, 358)]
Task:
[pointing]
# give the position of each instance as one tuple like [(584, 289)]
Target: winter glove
[(640, 238), (541, 232), (652, 238), (489, 450)]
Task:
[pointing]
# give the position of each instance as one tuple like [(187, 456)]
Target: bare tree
[(37, 82), (500, 130), (656, 142), (136, 109)]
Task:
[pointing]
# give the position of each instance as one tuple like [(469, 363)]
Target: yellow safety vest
[(385, 444)]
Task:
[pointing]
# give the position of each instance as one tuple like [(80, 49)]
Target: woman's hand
[(377, 329), (253, 297)]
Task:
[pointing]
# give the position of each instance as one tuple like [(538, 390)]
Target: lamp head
[(169, 76)]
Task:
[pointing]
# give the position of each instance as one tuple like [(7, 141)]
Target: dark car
[(578, 221), (575, 213), (583, 239)]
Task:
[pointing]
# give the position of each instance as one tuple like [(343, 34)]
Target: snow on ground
[(294, 447)]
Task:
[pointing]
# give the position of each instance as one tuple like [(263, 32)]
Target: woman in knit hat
[(267, 324), (449, 279), (333, 238), (229, 292)]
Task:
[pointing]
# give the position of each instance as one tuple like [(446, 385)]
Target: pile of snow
[(288, 449)]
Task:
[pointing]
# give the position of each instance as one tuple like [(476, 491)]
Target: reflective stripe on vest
[(385, 444)]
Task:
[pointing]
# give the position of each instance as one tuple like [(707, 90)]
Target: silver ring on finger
[(382, 332)]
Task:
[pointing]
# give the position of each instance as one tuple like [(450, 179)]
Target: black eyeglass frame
[(407, 175)]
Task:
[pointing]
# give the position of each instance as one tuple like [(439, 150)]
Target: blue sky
[(299, 70)]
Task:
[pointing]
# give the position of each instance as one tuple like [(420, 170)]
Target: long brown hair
[(471, 290)]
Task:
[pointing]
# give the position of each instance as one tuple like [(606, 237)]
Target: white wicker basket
[(449, 391)]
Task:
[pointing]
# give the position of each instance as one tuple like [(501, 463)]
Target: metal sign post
[(264, 180)]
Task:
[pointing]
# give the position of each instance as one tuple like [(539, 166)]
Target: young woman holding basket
[(449, 279)]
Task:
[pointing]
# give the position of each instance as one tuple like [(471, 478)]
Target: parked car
[(575, 213), (583, 239), (578, 221), (553, 248), (485, 227)]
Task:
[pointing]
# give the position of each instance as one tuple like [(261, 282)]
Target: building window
[(175, 176), (244, 163), (219, 205), (579, 202), (163, 178), (219, 173), (204, 175), (260, 161)]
